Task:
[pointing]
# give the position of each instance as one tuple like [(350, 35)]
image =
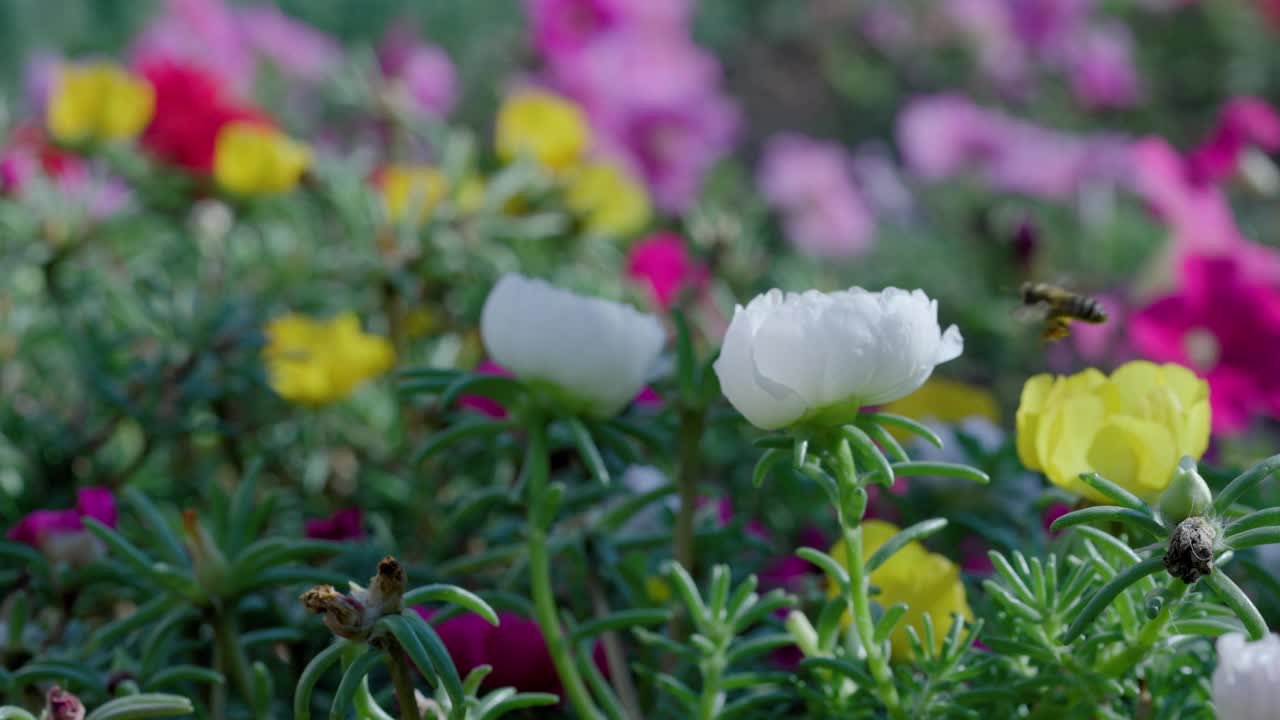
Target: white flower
[(1246, 684), (788, 357), (596, 353)]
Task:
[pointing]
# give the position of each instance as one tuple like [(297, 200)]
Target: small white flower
[(788, 356), (1246, 684), (597, 353)]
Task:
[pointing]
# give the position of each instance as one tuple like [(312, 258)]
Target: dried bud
[(1187, 495), (209, 564), (62, 705), (352, 615), (343, 614), (386, 589), (1190, 553)]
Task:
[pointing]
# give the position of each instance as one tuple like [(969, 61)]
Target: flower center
[(1202, 348)]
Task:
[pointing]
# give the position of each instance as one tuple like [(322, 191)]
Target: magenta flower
[(481, 404), (810, 183), (973, 556), (1052, 513), (347, 524), (422, 71), (1100, 67), (60, 534), (661, 262), (516, 649), (1225, 325), (1244, 123), (561, 28)]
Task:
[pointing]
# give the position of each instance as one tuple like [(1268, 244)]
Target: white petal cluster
[(790, 356), (1246, 683), (597, 352)]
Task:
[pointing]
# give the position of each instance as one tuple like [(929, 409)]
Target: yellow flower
[(927, 582), (252, 159), (405, 187), (608, 199), (546, 126), (1131, 428), (98, 101), (947, 401), (314, 362), (657, 590)]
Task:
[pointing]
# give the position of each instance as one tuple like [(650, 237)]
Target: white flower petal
[(593, 349), (786, 354)]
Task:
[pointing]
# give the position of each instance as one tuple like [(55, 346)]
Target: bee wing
[(1036, 312)]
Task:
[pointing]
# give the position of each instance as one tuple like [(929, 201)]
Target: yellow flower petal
[(546, 126), (1030, 412), (252, 159), (608, 199), (98, 101), (315, 363), (1141, 452)]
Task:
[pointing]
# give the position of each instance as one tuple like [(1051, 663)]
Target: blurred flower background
[(226, 226)]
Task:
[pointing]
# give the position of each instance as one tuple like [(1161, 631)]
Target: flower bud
[(208, 561), (1187, 494), (1190, 555), (802, 632), (62, 705)]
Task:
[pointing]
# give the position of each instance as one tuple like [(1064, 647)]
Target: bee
[(1060, 307)]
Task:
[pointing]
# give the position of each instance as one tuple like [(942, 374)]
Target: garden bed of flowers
[(640, 359)]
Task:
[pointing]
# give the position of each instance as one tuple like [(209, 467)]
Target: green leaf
[(1242, 484), (618, 516), (799, 452), (765, 465), (1110, 514), (147, 705), (456, 433), (1240, 604), (688, 593), (273, 551), (587, 450), (745, 650), (64, 672), (120, 547), (868, 454), (241, 512), (439, 656), (520, 701), (844, 668), (271, 635), (618, 621), (15, 713), (408, 639), (1262, 518), (583, 657), (26, 556), (1006, 571), (185, 673), (905, 423), (311, 675), (719, 592), (1207, 626), (834, 570), (1108, 592), (887, 441), (748, 705), (438, 593), (1255, 537), (774, 442), (888, 622), (915, 468), (501, 389), (1117, 494), (155, 521), (117, 630), (904, 537), (351, 681), (678, 690), (1011, 603), (290, 575)]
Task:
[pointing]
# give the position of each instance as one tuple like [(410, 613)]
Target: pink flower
[(1095, 342), (654, 103), (422, 70), (344, 524), (973, 556), (661, 261), (944, 135), (296, 49), (1225, 325), (1244, 122), (810, 182), (1100, 67), (60, 534), (561, 28)]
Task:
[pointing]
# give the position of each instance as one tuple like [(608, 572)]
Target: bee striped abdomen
[(1086, 309)]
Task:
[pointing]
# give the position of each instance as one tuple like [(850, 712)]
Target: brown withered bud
[(386, 589), (62, 705), (1190, 554), (343, 614)]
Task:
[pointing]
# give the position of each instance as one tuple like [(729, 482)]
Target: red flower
[(191, 107)]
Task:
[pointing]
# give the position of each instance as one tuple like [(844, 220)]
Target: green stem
[(537, 469), (712, 701), (402, 682), (229, 655), (1123, 662), (858, 604), (692, 423)]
